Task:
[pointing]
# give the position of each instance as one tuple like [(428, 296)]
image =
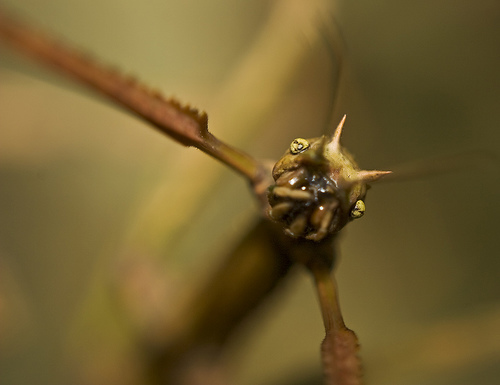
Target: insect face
[(318, 187)]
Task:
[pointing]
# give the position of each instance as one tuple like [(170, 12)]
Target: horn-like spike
[(338, 132), (368, 176), (331, 144)]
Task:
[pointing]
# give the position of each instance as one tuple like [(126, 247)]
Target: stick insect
[(281, 209)]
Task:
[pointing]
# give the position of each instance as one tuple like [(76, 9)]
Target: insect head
[(318, 187)]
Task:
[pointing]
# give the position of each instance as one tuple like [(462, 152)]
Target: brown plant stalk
[(182, 123), (340, 347)]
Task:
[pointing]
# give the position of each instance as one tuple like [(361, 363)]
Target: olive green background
[(82, 184)]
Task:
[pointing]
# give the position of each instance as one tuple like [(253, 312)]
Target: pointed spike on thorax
[(334, 144), (368, 176)]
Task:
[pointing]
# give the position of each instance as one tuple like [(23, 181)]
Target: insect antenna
[(445, 164), (331, 34)]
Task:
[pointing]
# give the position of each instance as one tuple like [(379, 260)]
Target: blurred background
[(105, 224)]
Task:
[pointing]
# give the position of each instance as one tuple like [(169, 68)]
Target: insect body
[(318, 187)]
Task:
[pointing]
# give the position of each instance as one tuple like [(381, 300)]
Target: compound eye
[(358, 210), (298, 145)]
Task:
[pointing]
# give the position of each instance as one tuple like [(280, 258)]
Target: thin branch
[(250, 273), (328, 299), (182, 123), (339, 349)]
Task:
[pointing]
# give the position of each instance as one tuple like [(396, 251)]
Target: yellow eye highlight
[(298, 145), (359, 209)]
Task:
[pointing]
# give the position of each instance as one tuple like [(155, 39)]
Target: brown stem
[(339, 349), (328, 298), (182, 123), (248, 275)]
